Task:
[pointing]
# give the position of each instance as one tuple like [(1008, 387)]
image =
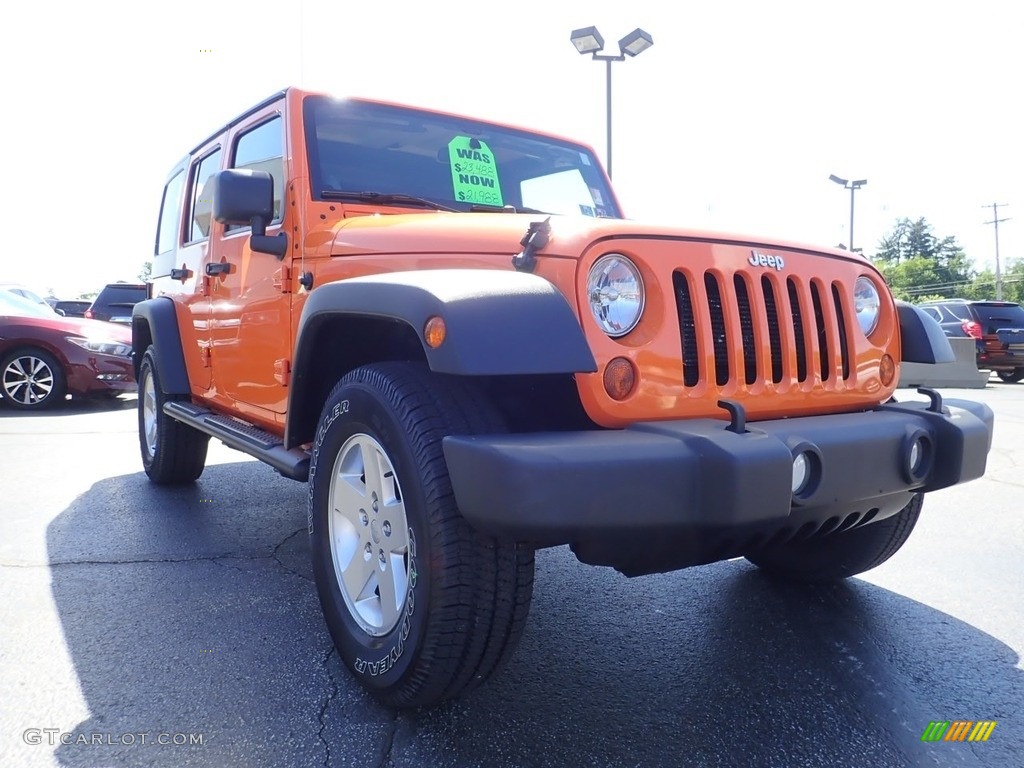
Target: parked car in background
[(28, 294), (996, 326), (114, 303), (73, 308), (44, 356)]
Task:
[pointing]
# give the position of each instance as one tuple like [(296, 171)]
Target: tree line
[(918, 265)]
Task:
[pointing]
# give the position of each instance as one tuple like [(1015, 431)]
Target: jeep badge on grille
[(758, 259)]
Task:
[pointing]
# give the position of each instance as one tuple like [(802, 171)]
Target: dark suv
[(997, 327), (115, 302)]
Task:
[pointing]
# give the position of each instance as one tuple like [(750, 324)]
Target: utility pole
[(995, 221)]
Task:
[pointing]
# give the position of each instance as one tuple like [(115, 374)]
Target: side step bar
[(265, 446)]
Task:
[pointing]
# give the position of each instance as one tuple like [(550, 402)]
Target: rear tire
[(1012, 376), (421, 606), (841, 555), (173, 453)]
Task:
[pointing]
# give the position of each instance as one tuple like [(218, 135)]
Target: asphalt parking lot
[(142, 626)]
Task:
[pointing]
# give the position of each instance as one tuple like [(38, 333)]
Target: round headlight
[(615, 293), (867, 303)]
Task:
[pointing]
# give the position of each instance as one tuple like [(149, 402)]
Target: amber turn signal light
[(434, 332), (886, 370), (619, 378)]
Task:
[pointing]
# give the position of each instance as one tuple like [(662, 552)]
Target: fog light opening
[(918, 457), (801, 473), (619, 378)]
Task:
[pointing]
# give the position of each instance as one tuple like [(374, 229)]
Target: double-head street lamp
[(589, 40), (853, 186)]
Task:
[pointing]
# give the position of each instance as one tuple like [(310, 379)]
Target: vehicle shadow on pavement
[(191, 613), (191, 617), (75, 406), (722, 666)]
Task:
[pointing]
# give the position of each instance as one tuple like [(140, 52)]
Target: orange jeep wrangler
[(447, 328)]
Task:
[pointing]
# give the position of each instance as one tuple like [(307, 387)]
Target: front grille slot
[(798, 330), (819, 324), (774, 337), (746, 329), (718, 337), (687, 329), (844, 343)]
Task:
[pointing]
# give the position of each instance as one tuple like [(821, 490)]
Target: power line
[(995, 221)]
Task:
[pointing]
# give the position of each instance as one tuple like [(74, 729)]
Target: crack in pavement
[(386, 759), (333, 692), (280, 562), (139, 561)]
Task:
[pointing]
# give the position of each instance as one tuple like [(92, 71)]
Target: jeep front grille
[(766, 322)]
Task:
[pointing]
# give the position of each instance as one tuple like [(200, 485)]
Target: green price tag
[(474, 173)]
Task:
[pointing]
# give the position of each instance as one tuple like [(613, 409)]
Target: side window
[(201, 208), (934, 312), (167, 230), (262, 149)]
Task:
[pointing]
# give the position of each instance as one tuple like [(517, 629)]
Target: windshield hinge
[(536, 238), (282, 371), (283, 279)]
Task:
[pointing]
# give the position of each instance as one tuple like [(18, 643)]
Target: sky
[(733, 120)]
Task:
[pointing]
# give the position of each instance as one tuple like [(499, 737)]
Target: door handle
[(218, 268)]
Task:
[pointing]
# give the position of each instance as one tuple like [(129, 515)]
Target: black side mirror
[(247, 197)]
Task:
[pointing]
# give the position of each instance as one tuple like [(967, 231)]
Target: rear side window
[(124, 294), (959, 311), (262, 149), (201, 208), (167, 230), (934, 312)]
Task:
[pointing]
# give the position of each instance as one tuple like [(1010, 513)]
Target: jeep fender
[(921, 337), (154, 322), (498, 323)]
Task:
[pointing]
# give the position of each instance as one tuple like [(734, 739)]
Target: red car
[(44, 356)]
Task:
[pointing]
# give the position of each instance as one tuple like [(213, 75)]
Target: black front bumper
[(697, 480)]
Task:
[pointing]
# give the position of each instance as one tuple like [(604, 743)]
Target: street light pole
[(589, 40), (608, 112), (996, 221), (853, 186)]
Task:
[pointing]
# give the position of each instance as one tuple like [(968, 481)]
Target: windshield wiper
[(481, 208), (384, 198)]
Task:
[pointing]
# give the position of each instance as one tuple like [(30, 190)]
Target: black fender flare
[(498, 323), (155, 322), (921, 337)]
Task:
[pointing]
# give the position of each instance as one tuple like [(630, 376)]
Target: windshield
[(456, 163), (13, 305)]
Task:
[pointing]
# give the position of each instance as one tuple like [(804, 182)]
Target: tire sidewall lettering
[(378, 660)]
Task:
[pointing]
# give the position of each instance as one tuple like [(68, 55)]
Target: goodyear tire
[(421, 607), (841, 555), (173, 453)]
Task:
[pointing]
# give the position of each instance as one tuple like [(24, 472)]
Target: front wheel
[(1011, 376), (421, 607), (32, 379), (841, 555)]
